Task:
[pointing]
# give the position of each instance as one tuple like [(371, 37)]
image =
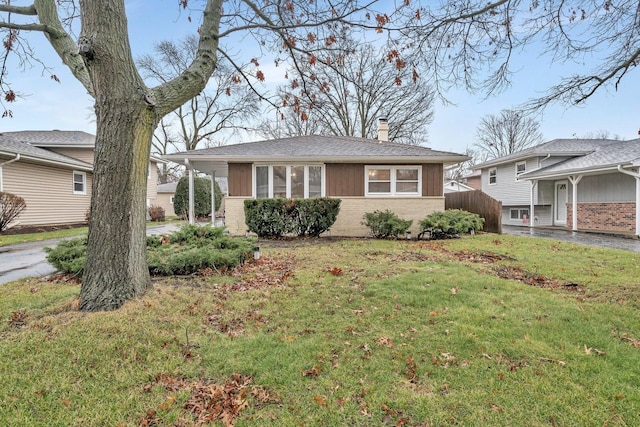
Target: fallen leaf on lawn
[(313, 372), (385, 341), (320, 400), (454, 290)]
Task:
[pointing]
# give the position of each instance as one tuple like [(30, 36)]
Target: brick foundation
[(619, 216)]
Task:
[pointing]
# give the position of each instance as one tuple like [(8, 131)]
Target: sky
[(48, 105)]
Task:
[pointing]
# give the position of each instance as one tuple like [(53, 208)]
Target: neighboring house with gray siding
[(588, 184), (365, 174), (52, 172)]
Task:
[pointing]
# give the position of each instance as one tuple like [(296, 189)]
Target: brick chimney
[(383, 130)]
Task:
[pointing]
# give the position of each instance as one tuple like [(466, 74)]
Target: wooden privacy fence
[(479, 203)]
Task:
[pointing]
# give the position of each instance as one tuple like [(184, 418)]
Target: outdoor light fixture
[(256, 253), (408, 235)]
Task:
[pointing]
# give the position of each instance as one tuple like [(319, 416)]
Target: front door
[(560, 205)]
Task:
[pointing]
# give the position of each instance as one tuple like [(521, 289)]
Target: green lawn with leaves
[(480, 331)]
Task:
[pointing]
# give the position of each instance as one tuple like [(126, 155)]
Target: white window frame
[(520, 212), (171, 199), (254, 189), (1, 179), (522, 171), (495, 176), (84, 182), (392, 169)]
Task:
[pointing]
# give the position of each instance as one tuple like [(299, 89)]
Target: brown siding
[(344, 180), (240, 179), (432, 179)]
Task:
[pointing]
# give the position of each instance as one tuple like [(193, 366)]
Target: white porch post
[(636, 175), (213, 199), (574, 202), (534, 184), (192, 219)]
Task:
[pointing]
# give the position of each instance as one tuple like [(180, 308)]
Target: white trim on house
[(285, 181), (494, 176), (392, 179), (517, 168), (83, 182)]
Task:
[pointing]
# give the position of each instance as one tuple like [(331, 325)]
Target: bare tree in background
[(208, 118), (505, 133), (348, 97), (473, 43)]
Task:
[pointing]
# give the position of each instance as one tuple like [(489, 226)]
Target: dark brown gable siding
[(344, 179), (240, 179), (432, 179)]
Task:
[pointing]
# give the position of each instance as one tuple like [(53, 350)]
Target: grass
[(352, 332), (12, 239)]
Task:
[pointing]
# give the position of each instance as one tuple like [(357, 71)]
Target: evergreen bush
[(451, 223), (384, 224), (186, 251), (277, 217), (201, 197)]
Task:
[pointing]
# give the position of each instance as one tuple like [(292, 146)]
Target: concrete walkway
[(29, 259), (581, 237)]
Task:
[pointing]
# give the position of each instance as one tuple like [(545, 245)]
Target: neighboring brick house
[(586, 184), (365, 174), (52, 172)]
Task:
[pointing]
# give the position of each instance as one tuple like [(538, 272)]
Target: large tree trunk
[(116, 266)]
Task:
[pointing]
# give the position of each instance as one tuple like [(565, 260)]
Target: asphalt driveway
[(29, 259), (579, 237)]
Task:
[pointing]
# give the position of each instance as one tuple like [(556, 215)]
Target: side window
[(521, 167), (493, 176), (79, 182)]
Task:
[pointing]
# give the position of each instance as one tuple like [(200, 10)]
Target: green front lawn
[(480, 331)]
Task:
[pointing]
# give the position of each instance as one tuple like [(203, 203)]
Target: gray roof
[(605, 156), (319, 148), (12, 147), (52, 138), (556, 147), (169, 187)]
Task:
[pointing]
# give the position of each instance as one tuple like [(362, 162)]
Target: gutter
[(11, 161), (620, 169)]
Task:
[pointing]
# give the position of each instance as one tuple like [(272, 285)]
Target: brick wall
[(619, 216), (349, 220)]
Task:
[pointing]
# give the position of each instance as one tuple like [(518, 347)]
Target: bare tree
[(506, 133), (474, 43), (208, 118), (599, 134), (128, 110), (349, 96)]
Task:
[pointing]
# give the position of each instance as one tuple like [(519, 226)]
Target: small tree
[(10, 207), (201, 196)]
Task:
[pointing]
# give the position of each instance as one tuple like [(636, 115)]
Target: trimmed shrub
[(156, 213), (315, 216), (277, 217), (10, 207), (188, 250), (68, 256), (201, 197), (384, 224), (450, 223)]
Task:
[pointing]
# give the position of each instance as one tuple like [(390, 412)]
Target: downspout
[(636, 175), (534, 184), (11, 161), (574, 202), (6, 163), (213, 199), (191, 213)]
